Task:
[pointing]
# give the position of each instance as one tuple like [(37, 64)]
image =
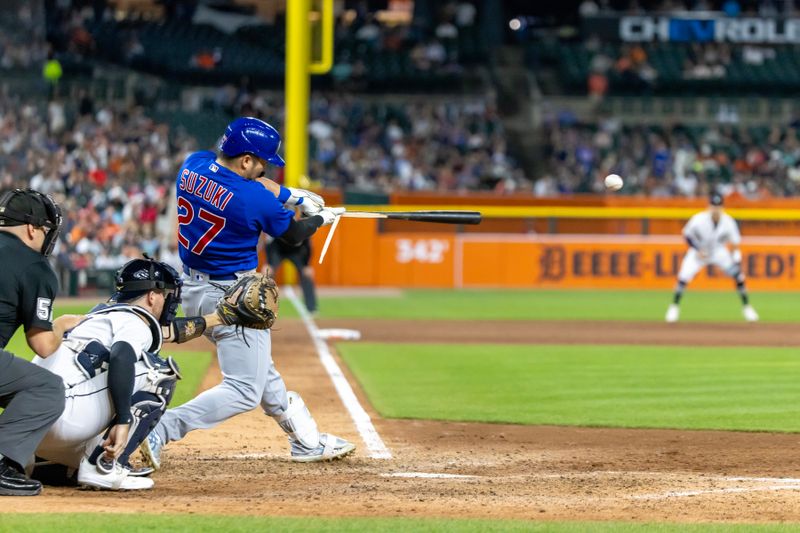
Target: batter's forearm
[(300, 230)]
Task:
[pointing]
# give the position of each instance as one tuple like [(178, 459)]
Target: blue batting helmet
[(249, 135)]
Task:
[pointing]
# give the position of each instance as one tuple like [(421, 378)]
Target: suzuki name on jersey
[(205, 188)]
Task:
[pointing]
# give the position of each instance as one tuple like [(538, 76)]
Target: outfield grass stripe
[(544, 304), (615, 386), (170, 523)]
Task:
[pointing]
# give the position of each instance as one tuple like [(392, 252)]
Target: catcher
[(116, 385)]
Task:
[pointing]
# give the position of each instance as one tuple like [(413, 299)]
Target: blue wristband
[(284, 194)]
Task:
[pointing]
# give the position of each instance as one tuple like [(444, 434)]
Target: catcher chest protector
[(49, 218), (249, 135)]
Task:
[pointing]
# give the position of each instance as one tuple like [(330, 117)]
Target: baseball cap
[(715, 199)]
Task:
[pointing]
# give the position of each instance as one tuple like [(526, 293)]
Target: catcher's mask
[(26, 206), (138, 276)]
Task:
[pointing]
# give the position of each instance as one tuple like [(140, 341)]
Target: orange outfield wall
[(361, 256)]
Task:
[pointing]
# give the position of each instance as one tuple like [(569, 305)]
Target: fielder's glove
[(329, 214), (308, 202), (251, 302)]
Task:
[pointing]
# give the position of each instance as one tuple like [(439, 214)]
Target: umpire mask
[(26, 206), (138, 276)]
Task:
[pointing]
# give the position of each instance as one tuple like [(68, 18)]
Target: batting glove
[(308, 202), (329, 214)]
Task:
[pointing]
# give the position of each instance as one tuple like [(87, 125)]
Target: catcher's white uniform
[(82, 363), (710, 245)]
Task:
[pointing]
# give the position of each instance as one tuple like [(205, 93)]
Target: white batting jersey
[(708, 236), (104, 327)]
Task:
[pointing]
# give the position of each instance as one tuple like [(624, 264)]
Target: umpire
[(300, 256), (33, 398)]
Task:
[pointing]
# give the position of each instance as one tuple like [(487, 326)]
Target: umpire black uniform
[(33, 398), (299, 255)]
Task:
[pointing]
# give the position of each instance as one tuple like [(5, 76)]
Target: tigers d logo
[(553, 263)]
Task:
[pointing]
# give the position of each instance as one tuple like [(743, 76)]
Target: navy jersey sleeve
[(270, 215), (38, 291)]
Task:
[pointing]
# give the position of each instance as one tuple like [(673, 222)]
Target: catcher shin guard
[(147, 404), (298, 423)]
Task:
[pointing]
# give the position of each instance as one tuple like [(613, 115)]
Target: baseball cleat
[(151, 450), (330, 448), (749, 313), (14, 483), (673, 313), (113, 477)]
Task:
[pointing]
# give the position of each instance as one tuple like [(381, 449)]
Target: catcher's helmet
[(138, 276), (26, 206), (249, 135)]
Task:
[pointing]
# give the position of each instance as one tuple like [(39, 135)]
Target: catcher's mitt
[(251, 302)]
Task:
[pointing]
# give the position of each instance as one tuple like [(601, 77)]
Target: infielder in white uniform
[(116, 385), (713, 237)]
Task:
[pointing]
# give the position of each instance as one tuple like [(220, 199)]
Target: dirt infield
[(503, 471), (576, 332)]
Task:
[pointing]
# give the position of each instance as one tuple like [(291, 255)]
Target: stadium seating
[(258, 52), (778, 75)]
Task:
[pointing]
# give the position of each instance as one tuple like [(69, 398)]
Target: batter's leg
[(244, 366)]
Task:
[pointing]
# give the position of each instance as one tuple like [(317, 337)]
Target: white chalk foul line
[(764, 479), (689, 493), (428, 475), (377, 449)]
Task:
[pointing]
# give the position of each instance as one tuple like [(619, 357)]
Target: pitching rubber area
[(465, 470)]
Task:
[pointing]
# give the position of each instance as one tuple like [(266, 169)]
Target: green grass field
[(615, 386), (87, 523), (747, 388), (559, 305)]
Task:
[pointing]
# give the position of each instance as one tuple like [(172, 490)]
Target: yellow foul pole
[(299, 66), (298, 56)]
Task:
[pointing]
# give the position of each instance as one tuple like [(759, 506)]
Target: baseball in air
[(613, 182)]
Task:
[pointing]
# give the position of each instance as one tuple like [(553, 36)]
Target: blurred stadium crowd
[(677, 160)]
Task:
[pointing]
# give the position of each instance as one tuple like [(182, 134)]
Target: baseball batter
[(713, 238), (224, 204)]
